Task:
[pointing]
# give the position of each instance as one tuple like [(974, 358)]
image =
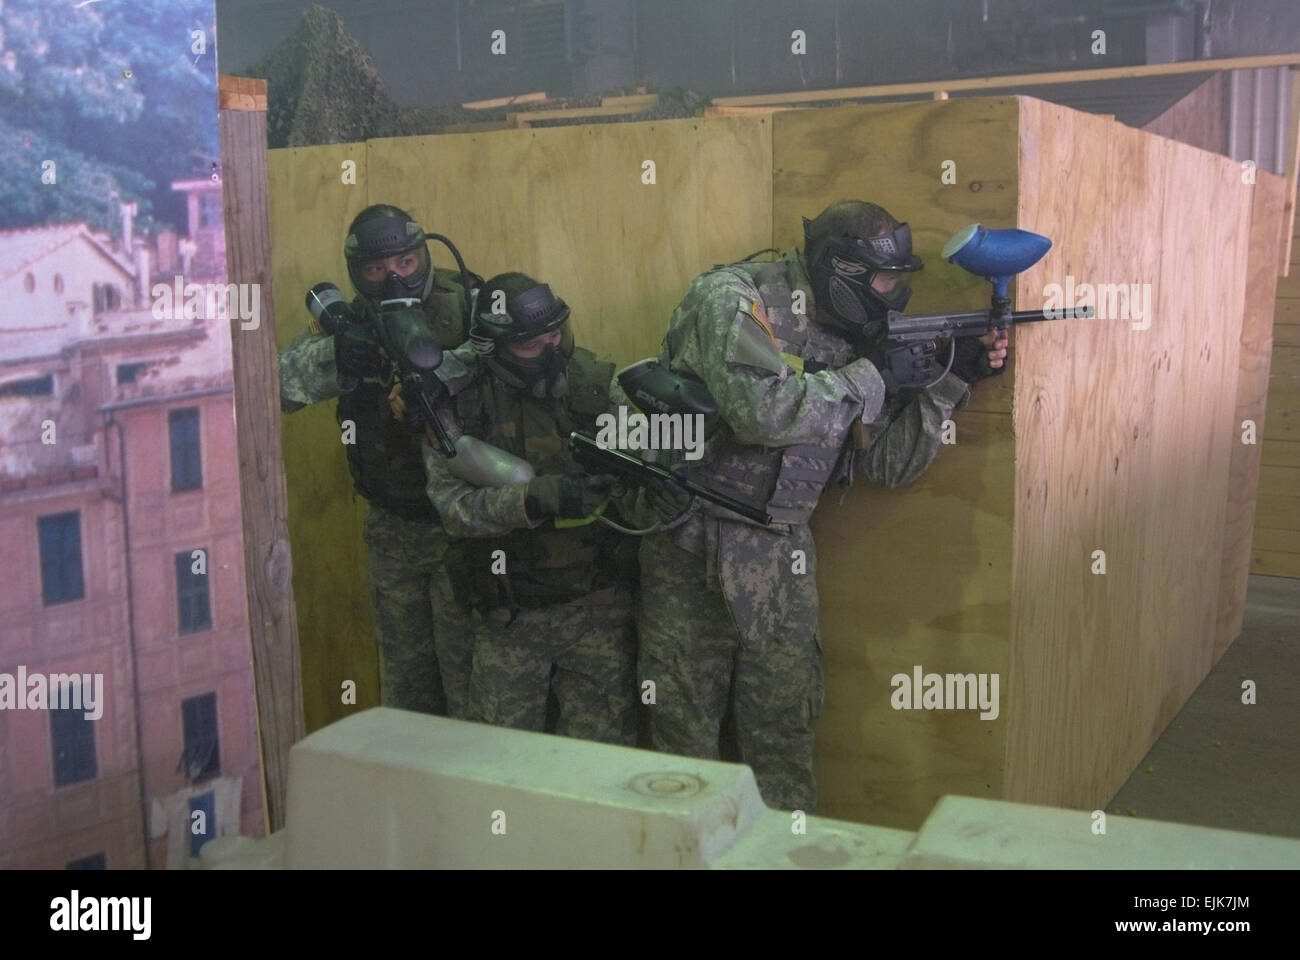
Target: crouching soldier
[(550, 597), (726, 624)]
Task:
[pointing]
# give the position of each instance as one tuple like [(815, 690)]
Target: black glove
[(971, 360), (356, 352), (567, 496), (415, 417), (667, 500)]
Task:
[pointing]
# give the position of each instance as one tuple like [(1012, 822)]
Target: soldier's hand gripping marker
[(570, 499)]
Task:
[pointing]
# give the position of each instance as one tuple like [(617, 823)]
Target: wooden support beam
[(273, 625), (1015, 80), (483, 126), (745, 111), (1289, 173), (638, 105), (634, 103), (241, 93), (538, 97)]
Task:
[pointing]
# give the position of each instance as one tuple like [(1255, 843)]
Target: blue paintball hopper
[(997, 255)]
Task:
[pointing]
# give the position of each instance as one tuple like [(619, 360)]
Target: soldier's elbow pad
[(864, 384), (484, 465)]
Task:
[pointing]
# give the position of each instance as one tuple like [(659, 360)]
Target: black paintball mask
[(379, 232), (846, 271), (530, 313)]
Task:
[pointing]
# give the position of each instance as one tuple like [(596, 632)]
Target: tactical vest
[(386, 463), (544, 565), (786, 482)]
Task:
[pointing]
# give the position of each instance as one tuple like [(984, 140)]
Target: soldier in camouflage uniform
[(424, 651), (551, 602), (724, 619)]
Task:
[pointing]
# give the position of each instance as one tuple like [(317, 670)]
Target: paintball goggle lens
[(891, 251)]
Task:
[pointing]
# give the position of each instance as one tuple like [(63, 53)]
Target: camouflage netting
[(323, 88)]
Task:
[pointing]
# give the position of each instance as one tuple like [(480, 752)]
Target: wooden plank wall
[(567, 206), (919, 575), (1267, 492), (1275, 550), (1199, 119), (1123, 444), (1268, 202), (311, 208)]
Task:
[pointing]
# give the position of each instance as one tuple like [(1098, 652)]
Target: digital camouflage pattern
[(422, 636), (724, 611), (308, 373), (423, 648), (584, 652), (689, 648), (552, 607)]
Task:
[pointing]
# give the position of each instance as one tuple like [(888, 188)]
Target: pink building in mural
[(120, 519)]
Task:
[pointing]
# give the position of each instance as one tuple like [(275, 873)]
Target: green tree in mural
[(114, 93)]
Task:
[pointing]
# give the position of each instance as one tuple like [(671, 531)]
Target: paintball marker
[(401, 330), (652, 385), (908, 353)]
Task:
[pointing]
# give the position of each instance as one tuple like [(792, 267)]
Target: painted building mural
[(128, 734)]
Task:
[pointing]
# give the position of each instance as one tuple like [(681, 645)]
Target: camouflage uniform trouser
[(691, 648), (583, 651), (424, 647)]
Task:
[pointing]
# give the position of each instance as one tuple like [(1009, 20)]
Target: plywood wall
[(1264, 496), (571, 207), (1276, 547), (918, 575), (1123, 444), (1200, 118), (311, 208), (1250, 419)]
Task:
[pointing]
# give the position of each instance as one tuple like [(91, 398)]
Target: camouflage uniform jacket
[(544, 564), (788, 391)]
